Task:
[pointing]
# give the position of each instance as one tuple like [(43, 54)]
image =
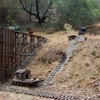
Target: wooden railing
[(16, 48), (27, 45)]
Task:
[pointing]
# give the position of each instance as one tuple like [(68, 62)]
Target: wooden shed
[(22, 74)]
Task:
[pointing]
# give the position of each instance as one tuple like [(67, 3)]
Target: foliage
[(78, 13), (34, 9), (93, 53), (10, 20), (12, 6)]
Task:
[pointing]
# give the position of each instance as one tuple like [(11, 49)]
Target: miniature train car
[(72, 37)]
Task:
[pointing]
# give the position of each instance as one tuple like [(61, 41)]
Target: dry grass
[(48, 57), (83, 70), (84, 67), (94, 29)]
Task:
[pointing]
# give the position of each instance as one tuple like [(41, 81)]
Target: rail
[(50, 77), (63, 61), (56, 96)]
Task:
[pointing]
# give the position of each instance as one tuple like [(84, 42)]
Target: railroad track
[(44, 94), (63, 61)]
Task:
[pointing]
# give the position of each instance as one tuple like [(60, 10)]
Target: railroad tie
[(29, 92), (49, 95), (62, 97), (55, 97), (64, 60), (52, 96), (40, 94), (45, 94), (25, 92), (33, 93)]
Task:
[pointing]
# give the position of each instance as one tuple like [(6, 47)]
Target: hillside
[(48, 57), (82, 74), (80, 77), (49, 49)]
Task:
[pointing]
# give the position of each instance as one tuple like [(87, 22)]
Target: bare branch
[(37, 10), (44, 15), (26, 9), (37, 14)]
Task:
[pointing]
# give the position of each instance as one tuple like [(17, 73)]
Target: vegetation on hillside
[(78, 13)]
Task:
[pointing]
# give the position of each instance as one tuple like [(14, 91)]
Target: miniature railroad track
[(64, 60), (44, 94)]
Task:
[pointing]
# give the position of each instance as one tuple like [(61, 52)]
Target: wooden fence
[(15, 49)]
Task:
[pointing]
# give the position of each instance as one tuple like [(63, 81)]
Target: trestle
[(15, 47)]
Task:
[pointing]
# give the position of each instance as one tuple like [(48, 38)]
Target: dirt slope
[(81, 77), (83, 70), (94, 29), (82, 74), (48, 57)]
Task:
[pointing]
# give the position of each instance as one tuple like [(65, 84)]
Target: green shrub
[(93, 53), (10, 20), (78, 13)]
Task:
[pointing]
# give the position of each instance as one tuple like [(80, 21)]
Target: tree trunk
[(44, 15), (30, 16), (37, 14)]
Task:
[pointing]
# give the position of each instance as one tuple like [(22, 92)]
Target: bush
[(78, 13)]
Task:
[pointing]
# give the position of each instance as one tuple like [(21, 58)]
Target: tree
[(78, 13), (36, 4), (3, 13), (1, 2)]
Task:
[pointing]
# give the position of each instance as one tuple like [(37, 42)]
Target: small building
[(23, 78), (22, 74)]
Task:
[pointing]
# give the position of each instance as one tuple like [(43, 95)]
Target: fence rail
[(15, 48)]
